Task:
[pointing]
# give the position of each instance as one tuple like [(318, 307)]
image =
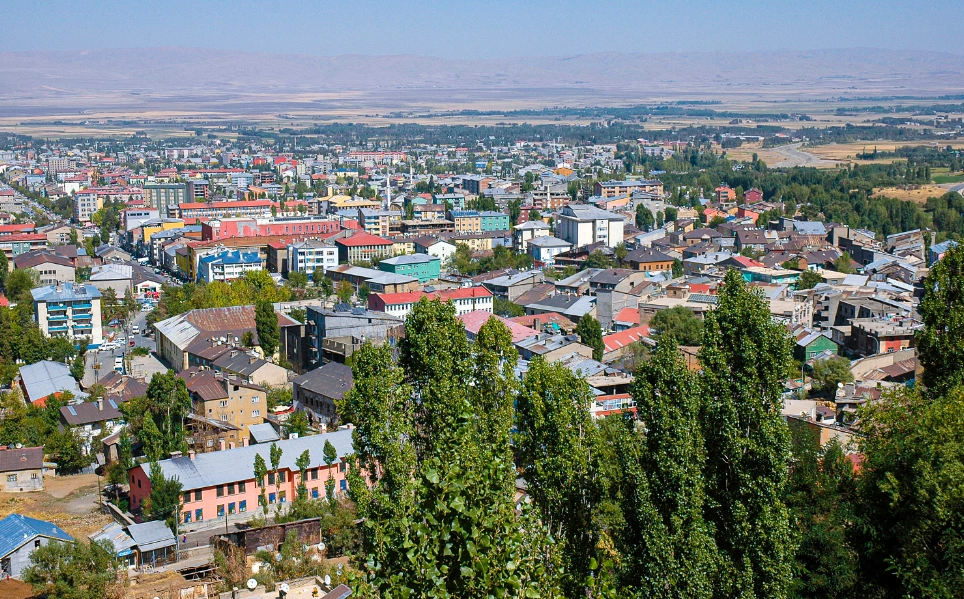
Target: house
[(250, 368), (308, 255), (154, 543), (573, 307), (523, 233), (52, 268), (226, 399), (552, 347), (513, 284), (316, 392), (40, 380), (20, 536), (619, 344), (649, 260), (118, 277), (22, 469), (937, 251), (724, 193), (423, 267), (584, 225), (810, 343), (334, 334), (473, 322), (611, 189), (545, 249), (111, 253), (90, 420), (219, 484), (379, 281), (363, 247), (753, 195), (432, 246)]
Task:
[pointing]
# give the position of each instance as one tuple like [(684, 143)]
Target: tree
[(19, 283), (829, 372), (260, 479), (165, 497), (940, 344), (671, 214), (363, 293), (809, 279), (297, 424), (344, 291), (274, 454), (644, 218), (302, 462), (590, 333), (130, 304), (77, 367), (744, 358), (677, 268), (74, 570), (330, 454), (556, 450), (535, 214), (298, 279), (507, 309), (669, 547), (152, 442), (4, 270), (266, 324), (844, 264), (597, 259), (678, 322)]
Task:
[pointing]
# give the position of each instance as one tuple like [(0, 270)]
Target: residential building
[(584, 225), (90, 420), (46, 378), (22, 469), (52, 268), (521, 234), (466, 221), (379, 222), (513, 284), (378, 281), (334, 334), (544, 249), (490, 220), (249, 367), (165, 196), (423, 267), (611, 189), (318, 391), (227, 266), (118, 277), (306, 256), (433, 246), (649, 260), (226, 399), (70, 310), (220, 484), (20, 536), (725, 193), (810, 343), (465, 300), (363, 247), (86, 203)]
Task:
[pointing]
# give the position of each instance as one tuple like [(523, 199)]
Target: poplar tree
[(266, 323), (743, 359), (940, 344)]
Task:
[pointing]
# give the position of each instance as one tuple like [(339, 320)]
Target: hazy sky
[(466, 29)]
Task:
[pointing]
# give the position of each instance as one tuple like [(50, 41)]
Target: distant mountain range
[(228, 81)]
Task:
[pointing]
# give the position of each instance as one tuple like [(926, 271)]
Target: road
[(106, 358), (794, 156)]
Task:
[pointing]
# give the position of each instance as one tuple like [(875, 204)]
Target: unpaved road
[(793, 156)]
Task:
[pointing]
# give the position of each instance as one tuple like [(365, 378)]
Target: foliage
[(260, 479), (507, 309), (254, 287), (344, 291), (679, 323), (502, 257), (940, 344), (590, 333), (809, 279), (831, 371), (297, 424), (278, 396), (298, 279), (844, 264), (74, 570), (165, 497), (744, 357), (677, 268), (644, 218), (19, 283), (266, 323), (157, 419), (598, 259)]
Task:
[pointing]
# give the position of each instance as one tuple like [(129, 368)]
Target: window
[(11, 478), (343, 485), (34, 476), (230, 488), (220, 491), (271, 478), (271, 498), (36, 544), (241, 487), (187, 517), (197, 495), (224, 417), (223, 403), (231, 508), (281, 477), (255, 399), (314, 493), (314, 474), (199, 514), (187, 497), (281, 497), (243, 506), (255, 413), (341, 467), (220, 510)]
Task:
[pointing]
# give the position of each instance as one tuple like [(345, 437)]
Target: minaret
[(388, 188)]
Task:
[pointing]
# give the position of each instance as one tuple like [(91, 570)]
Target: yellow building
[(158, 225)]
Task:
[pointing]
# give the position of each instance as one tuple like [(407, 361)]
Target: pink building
[(222, 483), (250, 227)]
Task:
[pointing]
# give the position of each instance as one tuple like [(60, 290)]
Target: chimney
[(100, 405), (252, 359), (175, 454), (537, 324), (191, 454), (244, 442), (933, 237)]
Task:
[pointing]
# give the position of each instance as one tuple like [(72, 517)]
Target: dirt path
[(70, 502), (792, 156)]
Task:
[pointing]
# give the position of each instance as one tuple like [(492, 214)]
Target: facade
[(220, 484), (22, 469), (227, 266), (612, 189), (363, 247), (52, 268), (86, 203), (585, 225), (118, 277), (490, 220), (70, 310), (225, 399), (19, 536), (465, 300), (306, 256), (165, 196), (521, 234), (316, 392), (466, 221), (423, 267), (544, 249), (379, 222), (333, 332)]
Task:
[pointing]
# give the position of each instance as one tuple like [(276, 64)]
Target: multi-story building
[(584, 225), (363, 247), (86, 203), (70, 310), (214, 485), (306, 256), (490, 220), (465, 300), (227, 266), (225, 228), (423, 267), (610, 189), (466, 221), (198, 189), (522, 234), (225, 399), (51, 267), (333, 335), (164, 196), (379, 222), (19, 243)]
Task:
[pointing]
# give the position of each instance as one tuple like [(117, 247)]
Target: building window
[(220, 491), (199, 515), (271, 498), (230, 488), (271, 478), (281, 477), (255, 399), (197, 495), (187, 497), (281, 497), (243, 506), (256, 413), (11, 478), (220, 510), (187, 517), (241, 487), (314, 474), (223, 403), (231, 508)]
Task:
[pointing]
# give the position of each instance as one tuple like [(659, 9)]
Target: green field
[(948, 178)]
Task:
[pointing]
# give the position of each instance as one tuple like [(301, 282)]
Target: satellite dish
[(251, 584), (322, 546), (283, 587), (327, 580)]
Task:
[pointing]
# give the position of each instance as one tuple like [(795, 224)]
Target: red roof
[(624, 338), (473, 321), (362, 239), (746, 262), (411, 297), (22, 228), (229, 205), (630, 315)]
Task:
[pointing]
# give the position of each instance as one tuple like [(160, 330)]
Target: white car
[(135, 330)]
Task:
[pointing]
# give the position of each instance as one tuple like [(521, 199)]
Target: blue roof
[(234, 257), (65, 292), (943, 246), (15, 530)]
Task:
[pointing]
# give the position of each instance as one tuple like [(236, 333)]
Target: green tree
[(556, 447), (671, 214), (19, 283), (844, 264), (940, 344), (165, 497), (597, 259), (77, 367), (274, 454), (590, 333), (829, 372), (677, 268), (4, 270), (644, 218), (744, 358), (260, 479), (152, 442), (297, 424), (266, 324), (344, 291), (809, 279), (363, 292), (330, 454), (74, 570), (678, 322), (298, 279), (507, 309), (302, 462)]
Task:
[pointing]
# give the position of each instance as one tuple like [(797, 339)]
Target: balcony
[(58, 329), (56, 307), (82, 305), (56, 318), (78, 326)]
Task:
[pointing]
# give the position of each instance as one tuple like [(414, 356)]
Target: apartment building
[(583, 225), (165, 196), (466, 221), (363, 246), (227, 266), (423, 267), (306, 256), (611, 189), (70, 310), (226, 399), (465, 300)]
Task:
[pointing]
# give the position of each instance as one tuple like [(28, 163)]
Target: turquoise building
[(494, 221), (423, 267)]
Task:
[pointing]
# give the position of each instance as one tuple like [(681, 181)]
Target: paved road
[(106, 358), (794, 156)]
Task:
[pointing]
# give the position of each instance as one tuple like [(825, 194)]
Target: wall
[(27, 480)]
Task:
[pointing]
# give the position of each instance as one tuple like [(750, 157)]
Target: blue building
[(70, 310), (227, 266), (423, 267), (494, 221), (20, 536)]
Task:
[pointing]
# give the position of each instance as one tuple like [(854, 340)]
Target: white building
[(227, 266), (585, 225), (306, 256), (69, 310)]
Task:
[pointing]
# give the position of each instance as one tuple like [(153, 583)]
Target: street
[(100, 363)]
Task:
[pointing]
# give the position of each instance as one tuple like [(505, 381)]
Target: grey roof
[(25, 458), (510, 279), (532, 225), (589, 213), (111, 272), (409, 259), (331, 380), (809, 227), (15, 530), (65, 292), (46, 378), (117, 536), (151, 535), (263, 433), (232, 465), (549, 242), (89, 412)]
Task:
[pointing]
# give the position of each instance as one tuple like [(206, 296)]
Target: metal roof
[(151, 535), (117, 536), (44, 378), (15, 530), (263, 433), (65, 292)]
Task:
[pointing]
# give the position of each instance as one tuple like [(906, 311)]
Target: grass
[(948, 178)]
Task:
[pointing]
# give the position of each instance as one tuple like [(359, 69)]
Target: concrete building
[(490, 220), (52, 268), (22, 469), (227, 266), (335, 334), (165, 196), (611, 189), (363, 247), (20, 536), (226, 399), (70, 310), (306, 256), (317, 391), (544, 249), (585, 225), (521, 234), (465, 300), (118, 277), (423, 267)]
